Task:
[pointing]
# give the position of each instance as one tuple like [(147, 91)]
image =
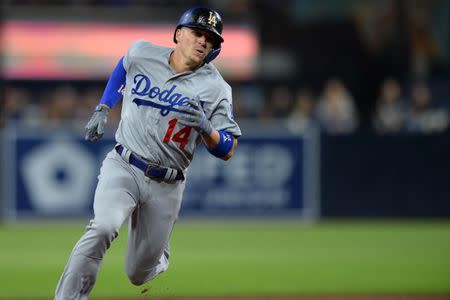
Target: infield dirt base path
[(304, 297)]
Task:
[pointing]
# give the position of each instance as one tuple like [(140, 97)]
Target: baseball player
[(172, 100)]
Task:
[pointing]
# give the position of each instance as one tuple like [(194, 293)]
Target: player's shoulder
[(145, 48)]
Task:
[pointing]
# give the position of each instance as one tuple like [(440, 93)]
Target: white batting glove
[(96, 125), (194, 116)]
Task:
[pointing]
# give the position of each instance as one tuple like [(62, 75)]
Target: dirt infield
[(303, 297)]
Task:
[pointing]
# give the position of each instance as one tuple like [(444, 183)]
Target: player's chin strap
[(212, 55)]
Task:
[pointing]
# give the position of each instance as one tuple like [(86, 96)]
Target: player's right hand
[(194, 116), (96, 125)]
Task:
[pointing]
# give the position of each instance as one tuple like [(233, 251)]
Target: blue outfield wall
[(53, 173), (368, 175)]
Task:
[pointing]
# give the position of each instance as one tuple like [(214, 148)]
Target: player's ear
[(177, 34)]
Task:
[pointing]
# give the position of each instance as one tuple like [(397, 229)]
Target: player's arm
[(111, 95), (113, 90), (218, 142)]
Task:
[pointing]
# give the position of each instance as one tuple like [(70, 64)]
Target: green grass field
[(244, 258)]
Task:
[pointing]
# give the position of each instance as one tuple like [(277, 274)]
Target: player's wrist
[(205, 127), (101, 107)]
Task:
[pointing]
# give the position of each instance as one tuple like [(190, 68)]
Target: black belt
[(152, 171)]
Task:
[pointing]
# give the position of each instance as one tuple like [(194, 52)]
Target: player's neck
[(179, 65)]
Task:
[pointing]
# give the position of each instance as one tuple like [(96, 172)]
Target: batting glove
[(96, 125), (194, 116)]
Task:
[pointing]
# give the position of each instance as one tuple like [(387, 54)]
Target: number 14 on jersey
[(181, 136)]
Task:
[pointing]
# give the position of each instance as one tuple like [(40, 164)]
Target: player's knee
[(137, 278), (139, 272)]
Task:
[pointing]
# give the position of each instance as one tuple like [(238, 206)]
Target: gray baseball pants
[(124, 192)]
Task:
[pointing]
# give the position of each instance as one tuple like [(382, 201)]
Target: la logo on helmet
[(212, 19)]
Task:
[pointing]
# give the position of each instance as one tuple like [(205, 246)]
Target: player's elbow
[(230, 154)]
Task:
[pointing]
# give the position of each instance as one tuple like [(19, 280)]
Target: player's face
[(194, 44)]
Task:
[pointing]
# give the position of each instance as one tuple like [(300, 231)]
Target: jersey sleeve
[(133, 52), (222, 117)]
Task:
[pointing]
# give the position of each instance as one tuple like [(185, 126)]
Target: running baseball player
[(172, 100)]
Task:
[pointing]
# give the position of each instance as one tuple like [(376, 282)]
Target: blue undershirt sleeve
[(116, 82)]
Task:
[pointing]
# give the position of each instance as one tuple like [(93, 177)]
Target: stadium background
[(341, 183)]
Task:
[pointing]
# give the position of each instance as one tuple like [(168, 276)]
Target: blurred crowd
[(408, 108), (63, 105), (412, 108), (362, 41)]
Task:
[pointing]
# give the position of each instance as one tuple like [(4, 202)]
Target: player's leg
[(113, 203), (149, 231)]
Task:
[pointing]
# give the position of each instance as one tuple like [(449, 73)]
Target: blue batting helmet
[(207, 19)]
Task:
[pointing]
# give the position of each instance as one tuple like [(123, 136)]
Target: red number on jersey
[(181, 136), (169, 131)]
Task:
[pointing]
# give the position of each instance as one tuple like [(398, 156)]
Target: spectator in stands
[(390, 111), (62, 105), (248, 100), (279, 103), (239, 110), (425, 49), (15, 102), (336, 110), (89, 98), (19, 107), (302, 116), (423, 115)]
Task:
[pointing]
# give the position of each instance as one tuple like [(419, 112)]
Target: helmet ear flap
[(212, 54)]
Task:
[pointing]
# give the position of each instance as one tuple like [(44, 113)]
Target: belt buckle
[(147, 173)]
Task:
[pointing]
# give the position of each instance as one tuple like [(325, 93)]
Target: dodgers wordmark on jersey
[(152, 93)]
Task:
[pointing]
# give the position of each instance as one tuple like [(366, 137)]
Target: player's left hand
[(96, 125), (194, 116)]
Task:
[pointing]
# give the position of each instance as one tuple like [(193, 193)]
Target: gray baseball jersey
[(153, 91), (149, 127)]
